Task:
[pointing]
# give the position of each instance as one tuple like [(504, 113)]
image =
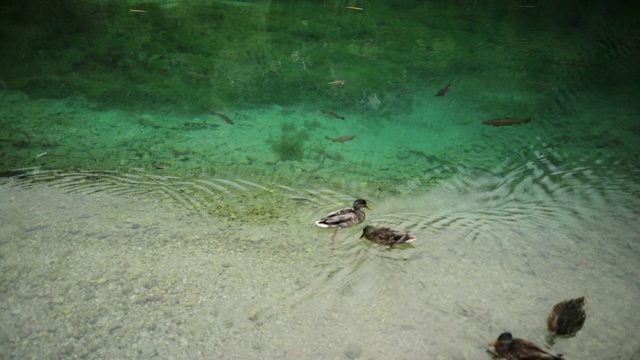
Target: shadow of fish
[(443, 91), (223, 117), (506, 121)]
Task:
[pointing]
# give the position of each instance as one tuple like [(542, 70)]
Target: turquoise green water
[(192, 136), (137, 89)]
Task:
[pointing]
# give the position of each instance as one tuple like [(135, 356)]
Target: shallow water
[(102, 275), (136, 223)]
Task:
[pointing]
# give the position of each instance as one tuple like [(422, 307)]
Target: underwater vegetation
[(290, 144), (199, 54)]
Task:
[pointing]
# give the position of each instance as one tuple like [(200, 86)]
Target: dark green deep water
[(191, 136)]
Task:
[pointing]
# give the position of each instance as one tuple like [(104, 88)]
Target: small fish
[(506, 121), (198, 76), (570, 63), (338, 82), (332, 114), (354, 8), (543, 85), (341, 139), (192, 125), (224, 117), (443, 91)]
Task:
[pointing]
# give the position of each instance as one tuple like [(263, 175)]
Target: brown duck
[(567, 317), (386, 236), (511, 348)]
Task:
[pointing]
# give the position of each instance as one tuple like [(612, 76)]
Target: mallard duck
[(567, 317), (511, 348), (344, 217), (386, 236)]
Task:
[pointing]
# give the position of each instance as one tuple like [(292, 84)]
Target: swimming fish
[(341, 139), (223, 117), (543, 85), (332, 114), (506, 121), (443, 91)]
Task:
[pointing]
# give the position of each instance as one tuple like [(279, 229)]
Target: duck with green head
[(344, 217)]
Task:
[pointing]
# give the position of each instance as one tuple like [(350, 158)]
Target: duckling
[(386, 236), (344, 217), (511, 348), (567, 317)]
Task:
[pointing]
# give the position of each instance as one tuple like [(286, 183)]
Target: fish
[(341, 139), (338, 82), (192, 125), (198, 76), (506, 121), (570, 63), (443, 91), (223, 117), (332, 114), (543, 85)]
